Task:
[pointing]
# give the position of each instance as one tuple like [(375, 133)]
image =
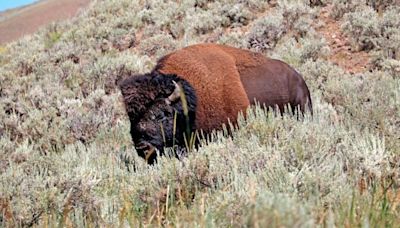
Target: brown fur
[(227, 80)]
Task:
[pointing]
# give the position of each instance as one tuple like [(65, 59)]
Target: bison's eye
[(163, 118), (160, 116)]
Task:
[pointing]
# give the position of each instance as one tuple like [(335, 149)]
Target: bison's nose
[(147, 149)]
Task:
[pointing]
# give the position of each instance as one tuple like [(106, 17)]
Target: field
[(66, 156)]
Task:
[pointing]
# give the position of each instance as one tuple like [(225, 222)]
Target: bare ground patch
[(341, 52), (26, 20)]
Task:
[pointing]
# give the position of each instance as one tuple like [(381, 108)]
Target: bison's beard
[(148, 151)]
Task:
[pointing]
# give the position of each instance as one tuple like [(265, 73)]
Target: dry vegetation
[(66, 157)]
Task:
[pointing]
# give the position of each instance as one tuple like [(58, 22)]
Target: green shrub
[(236, 15), (234, 38), (363, 28), (390, 34), (52, 37), (380, 62), (204, 21), (369, 31), (66, 155), (158, 45), (317, 2), (317, 73), (292, 11), (165, 16), (381, 5), (341, 7), (266, 32), (297, 52)]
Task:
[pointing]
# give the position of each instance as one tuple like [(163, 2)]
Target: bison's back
[(274, 83), (227, 80), (268, 81), (213, 74)]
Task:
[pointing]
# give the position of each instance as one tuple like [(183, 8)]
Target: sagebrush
[(66, 157)]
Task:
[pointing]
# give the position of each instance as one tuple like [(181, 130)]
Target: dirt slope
[(26, 20), (341, 53)]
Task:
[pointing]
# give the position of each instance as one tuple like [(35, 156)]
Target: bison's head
[(161, 109)]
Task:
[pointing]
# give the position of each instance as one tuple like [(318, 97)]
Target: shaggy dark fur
[(152, 118)]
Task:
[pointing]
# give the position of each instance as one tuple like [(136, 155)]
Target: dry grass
[(66, 157)]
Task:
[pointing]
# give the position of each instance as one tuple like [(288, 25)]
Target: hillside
[(25, 20), (66, 156)]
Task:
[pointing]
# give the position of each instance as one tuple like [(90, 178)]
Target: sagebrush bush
[(288, 17), (392, 66), (381, 5), (266, 32), (157, 45), (318, 72), (317, 2), (292, 11), (236, 15), (67, 159), (390, 34), (297, 52), (203, 21), (341, 7), (234, 38), (370, 31), (363, 28), (166, 16)]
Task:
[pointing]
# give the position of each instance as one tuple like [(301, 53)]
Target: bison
[(202, 87)]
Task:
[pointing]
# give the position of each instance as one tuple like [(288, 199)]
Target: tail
[(309, 104)]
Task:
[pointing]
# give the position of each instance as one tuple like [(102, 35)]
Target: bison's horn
[(174, 95)]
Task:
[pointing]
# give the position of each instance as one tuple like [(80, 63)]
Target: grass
[(66, 156)]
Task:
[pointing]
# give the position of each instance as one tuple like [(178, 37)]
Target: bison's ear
[(174, 95)]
